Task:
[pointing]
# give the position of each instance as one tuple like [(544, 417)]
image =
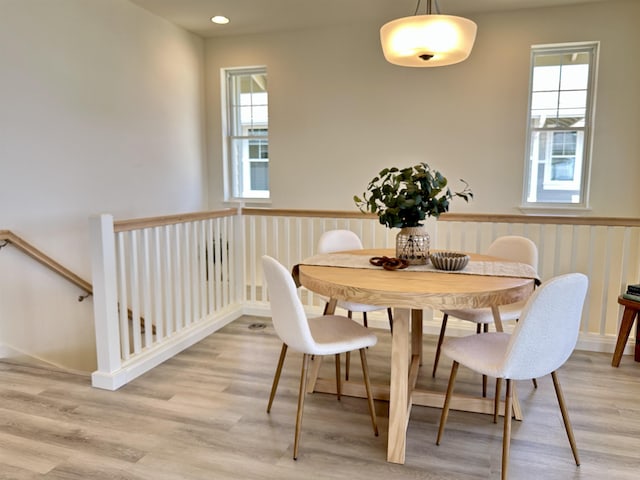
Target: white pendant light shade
[(427, 40)]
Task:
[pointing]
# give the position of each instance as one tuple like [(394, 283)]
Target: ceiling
[(260, 16)]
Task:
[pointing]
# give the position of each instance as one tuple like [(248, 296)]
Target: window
[(559, 125), (247, 133)]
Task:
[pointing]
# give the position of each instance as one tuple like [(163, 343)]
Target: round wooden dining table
[(409, 292)]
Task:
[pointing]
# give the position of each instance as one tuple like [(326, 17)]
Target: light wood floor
[(201, 415)]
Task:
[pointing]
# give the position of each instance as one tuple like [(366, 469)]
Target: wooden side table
[(631, 309)]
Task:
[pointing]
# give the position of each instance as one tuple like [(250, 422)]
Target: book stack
[(633, 293)]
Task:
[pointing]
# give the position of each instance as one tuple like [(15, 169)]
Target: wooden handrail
[(50, 263), (138, 223), (45, 260), (546, 219), (288, 212)]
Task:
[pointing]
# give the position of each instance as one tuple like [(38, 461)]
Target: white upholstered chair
[(338, 241), (333, 241), (510, 247), (541, 343), (326, 335)]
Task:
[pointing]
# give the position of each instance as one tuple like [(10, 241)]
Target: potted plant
[(404, 198)]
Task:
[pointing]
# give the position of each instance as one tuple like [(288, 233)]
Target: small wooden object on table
[(631, 308)]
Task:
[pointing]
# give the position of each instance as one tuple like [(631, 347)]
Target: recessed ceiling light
[(220, 19)]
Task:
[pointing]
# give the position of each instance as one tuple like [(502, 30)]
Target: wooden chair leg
[(338, 380), (447, 400), (301, 395), (276, 378), (443, 327), (347, 360), (390, 315), (347, 364), (367, 386), (364, 320), (496, 402), (506, 435), (479, 328), (565, 417)]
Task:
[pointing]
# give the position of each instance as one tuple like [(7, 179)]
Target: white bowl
[(450, 261)]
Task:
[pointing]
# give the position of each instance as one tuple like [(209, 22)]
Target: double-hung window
[(559, 125), (247, 133)]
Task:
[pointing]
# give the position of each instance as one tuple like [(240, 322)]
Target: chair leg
[(347, 360), (565, 417), (347, 364), (447, 400), (506, 435), (496, 402), (364, 320), (276, 378), (301, 395), (367, 386), (390, 315), (443, 327), (338, 382), (479, 328)]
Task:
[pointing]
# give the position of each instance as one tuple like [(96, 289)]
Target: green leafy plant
[(405, 197)]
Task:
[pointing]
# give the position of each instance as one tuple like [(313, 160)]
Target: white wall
[(339, 113), (101, 110)]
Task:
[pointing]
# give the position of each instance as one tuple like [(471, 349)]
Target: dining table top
[(408, 288)]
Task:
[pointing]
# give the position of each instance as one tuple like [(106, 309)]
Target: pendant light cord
[(428, 9)]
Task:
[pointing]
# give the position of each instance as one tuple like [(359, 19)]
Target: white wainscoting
[(606, 250)]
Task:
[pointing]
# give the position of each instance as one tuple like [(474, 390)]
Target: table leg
[(497, 318), (399, 389), (623, 335), (331, 307)]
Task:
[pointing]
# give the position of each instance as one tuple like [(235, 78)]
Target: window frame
[(233, 193), (583, 154)]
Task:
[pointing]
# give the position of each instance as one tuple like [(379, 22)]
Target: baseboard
[(18, 356), (455, 328), (153, 357)]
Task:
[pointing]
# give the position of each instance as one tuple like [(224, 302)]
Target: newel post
[(105, 302)]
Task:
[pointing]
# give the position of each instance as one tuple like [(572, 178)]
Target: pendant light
[(430, 40)]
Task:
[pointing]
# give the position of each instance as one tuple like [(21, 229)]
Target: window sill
[(247, 202), (553, 210)]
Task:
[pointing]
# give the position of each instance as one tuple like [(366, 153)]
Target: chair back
[(516, 249), (338, 241), (287, 313), (547, 332)]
